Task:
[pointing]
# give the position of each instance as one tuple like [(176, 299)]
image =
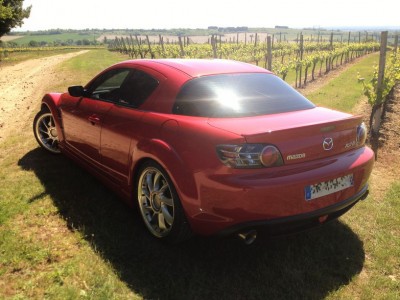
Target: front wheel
[(159, 204), (45, 131)]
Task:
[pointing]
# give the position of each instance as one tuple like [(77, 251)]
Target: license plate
[(328, 187)]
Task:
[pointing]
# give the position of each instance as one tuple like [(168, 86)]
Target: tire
[(159, 205), (45, 131)]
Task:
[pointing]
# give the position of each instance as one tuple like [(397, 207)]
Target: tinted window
[(137, 88), (236, 95), (107, 86)]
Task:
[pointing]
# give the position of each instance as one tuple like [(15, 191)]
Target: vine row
[(310, 59)]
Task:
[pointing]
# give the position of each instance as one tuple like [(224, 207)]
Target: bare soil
[(387, 165), (21, 87), (8, 38)]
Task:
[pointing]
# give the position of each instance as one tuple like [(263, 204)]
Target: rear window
[(238, 95)]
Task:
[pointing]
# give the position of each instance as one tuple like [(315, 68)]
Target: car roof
[(198, 67)]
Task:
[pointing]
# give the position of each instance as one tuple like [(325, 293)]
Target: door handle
[(93, 119)]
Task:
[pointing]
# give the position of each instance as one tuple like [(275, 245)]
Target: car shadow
[(306, 265)]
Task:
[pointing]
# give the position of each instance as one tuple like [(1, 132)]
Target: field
[(197, 35), (63, 235), (8, 38), (283, 35), (50, 38)]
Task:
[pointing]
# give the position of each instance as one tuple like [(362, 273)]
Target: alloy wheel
[(156, 202), (46, 132)]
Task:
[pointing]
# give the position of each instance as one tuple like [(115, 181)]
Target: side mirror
[(76, 91)]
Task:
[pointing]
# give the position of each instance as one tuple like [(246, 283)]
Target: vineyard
[(294, 58), (305, 59), (68, 237)]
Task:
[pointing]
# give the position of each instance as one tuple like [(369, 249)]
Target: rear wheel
[(45, 131), (159, 204)]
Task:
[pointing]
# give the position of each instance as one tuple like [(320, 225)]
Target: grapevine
[(285, 55)]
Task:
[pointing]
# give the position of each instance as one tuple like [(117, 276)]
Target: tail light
[(249, 156), (361, 134)]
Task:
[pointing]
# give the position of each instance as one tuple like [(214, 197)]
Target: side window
[(137, 88), (107, 87)]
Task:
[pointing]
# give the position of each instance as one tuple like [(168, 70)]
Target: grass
[(379, 231), (63, 235), (80, 70), (344, 92)]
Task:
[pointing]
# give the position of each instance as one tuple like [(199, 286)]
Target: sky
[(167, 14)]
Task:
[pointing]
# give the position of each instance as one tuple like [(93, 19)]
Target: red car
[(211, 147)]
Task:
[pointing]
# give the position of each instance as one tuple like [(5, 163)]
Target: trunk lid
[(300, 136)]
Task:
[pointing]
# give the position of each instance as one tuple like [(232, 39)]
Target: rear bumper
[(239, 199), (291, 224)]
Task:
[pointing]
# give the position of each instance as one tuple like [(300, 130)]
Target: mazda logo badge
[(328, 144)]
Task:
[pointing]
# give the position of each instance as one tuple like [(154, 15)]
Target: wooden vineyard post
[(301, 57), (377, 109), (134, 53), (116, 43), (237, 38), (331, 42), (148, 44), (162, 44), (130, 47), (181, 46), (348, 41), (396, 43), (139, 46), (382, 61), (125, 49), (214, 46), (299, 61), (255, 40), (269, 53)]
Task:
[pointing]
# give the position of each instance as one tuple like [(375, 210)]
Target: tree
[(12, 15), (33, 43)]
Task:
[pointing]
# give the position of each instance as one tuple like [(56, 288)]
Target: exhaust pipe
[(365, 195), (248, 237)]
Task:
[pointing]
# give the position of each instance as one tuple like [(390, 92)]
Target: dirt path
[(21, 88)]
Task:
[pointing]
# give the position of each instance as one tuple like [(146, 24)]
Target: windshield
[(238, 95)]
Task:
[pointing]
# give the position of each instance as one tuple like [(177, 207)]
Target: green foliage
[(12, 15), (282, 69), (392, 75)]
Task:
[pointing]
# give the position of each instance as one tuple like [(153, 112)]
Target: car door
[(83, 118), (122, 127)]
